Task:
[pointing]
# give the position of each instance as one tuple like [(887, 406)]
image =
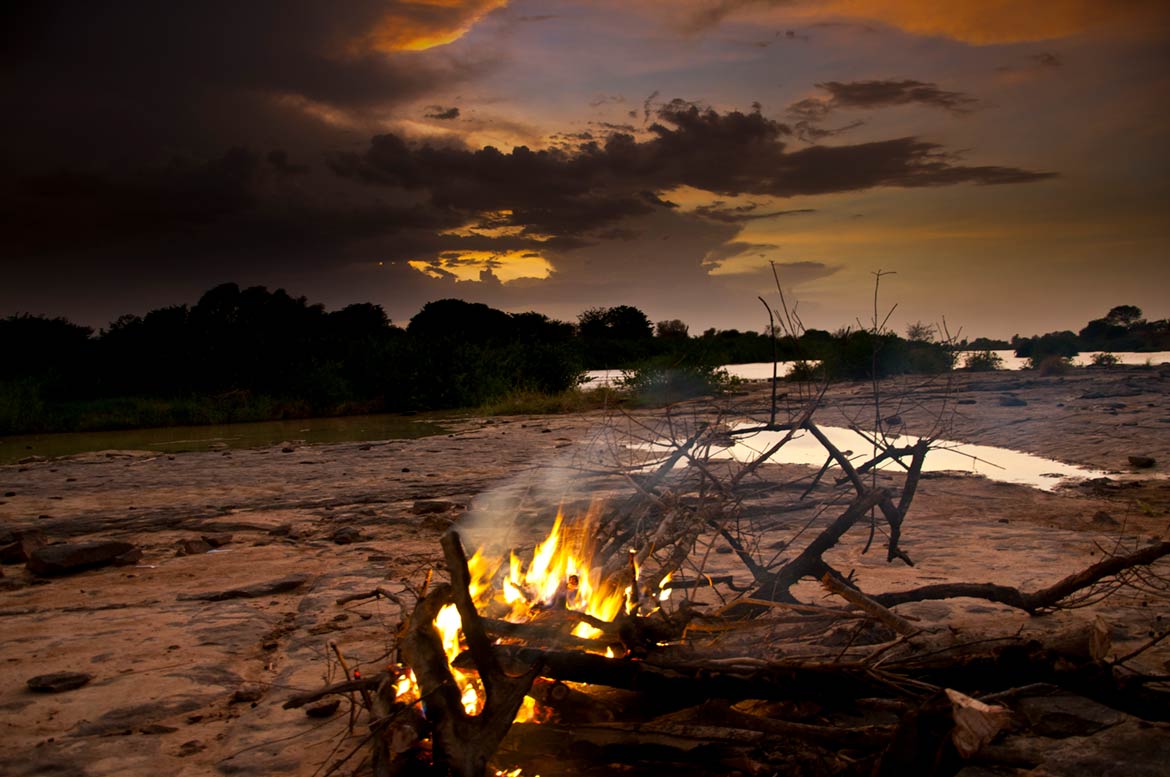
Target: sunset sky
[(1008, 161)]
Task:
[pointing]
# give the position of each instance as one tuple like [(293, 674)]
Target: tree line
[(1121, 329), (254, 354)]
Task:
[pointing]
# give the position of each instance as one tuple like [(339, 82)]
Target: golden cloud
[(984, 22), (477, 265), (424, 24), (979, 22)]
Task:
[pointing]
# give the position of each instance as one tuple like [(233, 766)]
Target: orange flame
[(559, 575)]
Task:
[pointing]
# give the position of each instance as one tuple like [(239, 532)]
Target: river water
[(763, 370), (175, 439)]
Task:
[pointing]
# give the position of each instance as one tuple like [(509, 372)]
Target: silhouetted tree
[(673, 328)]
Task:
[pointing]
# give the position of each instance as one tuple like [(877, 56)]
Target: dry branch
[(1036, 601)]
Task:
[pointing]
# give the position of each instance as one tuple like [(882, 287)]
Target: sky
[(1005, 166)]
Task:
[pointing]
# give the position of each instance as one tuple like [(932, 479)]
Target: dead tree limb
[(1035, 601)]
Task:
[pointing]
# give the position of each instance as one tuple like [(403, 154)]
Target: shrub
[(983, 361), (655, 383), (1105, 359)]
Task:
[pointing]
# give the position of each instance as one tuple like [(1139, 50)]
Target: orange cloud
[(1004, 21), (979, 22), (505, 266), (424, 24)]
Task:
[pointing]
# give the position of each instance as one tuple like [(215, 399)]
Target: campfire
[(615, 639)]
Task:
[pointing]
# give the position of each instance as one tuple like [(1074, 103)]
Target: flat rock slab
[(283, 585), (56, 682), (68, 557)]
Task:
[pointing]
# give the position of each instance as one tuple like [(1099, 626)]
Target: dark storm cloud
[(870, 95), (146, 79), (739, 214), (879, 94), (441, 113), (567, 192)]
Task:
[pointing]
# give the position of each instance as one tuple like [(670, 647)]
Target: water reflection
[(763, 370), (176, 439), (1001, 464)]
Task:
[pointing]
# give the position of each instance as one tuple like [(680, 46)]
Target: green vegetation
[(251, 355), (1105, 359), (983, 361), (661, 381)]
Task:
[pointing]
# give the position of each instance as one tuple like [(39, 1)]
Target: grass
[(537, 403)]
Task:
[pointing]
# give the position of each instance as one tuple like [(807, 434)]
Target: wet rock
[(66, 558), (193, 547), (347, 535), (1010, 401), (22, 546), (323, 709), (30, 460), (894, 420), (56, 682), (283, 585), (9, 493), (1142, 462), (191, 747)]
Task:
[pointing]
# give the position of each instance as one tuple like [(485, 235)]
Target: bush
[(655, 383), (983, 361), (1105, 359)]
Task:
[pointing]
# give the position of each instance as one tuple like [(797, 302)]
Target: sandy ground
[(185, 686)]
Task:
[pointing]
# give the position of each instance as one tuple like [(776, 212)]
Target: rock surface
[(58, 681), (173, 638), (69, 557)]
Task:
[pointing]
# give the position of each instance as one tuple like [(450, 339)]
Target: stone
[(1103, 518), (191, 747), (193, 547), (57, 682), (346, 535), (1009, 401), (248, 692), (283, 585), (217, 540), (129, 558), (431, 506), (1066, 715), (894, 420), (65, 558), (22, 546), (1142, 462)]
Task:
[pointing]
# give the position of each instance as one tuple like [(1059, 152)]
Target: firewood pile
[(623, 645)]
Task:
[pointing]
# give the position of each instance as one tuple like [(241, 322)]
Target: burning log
[(463, 743)]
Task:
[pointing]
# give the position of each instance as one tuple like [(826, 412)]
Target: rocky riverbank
[(191, 647)]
